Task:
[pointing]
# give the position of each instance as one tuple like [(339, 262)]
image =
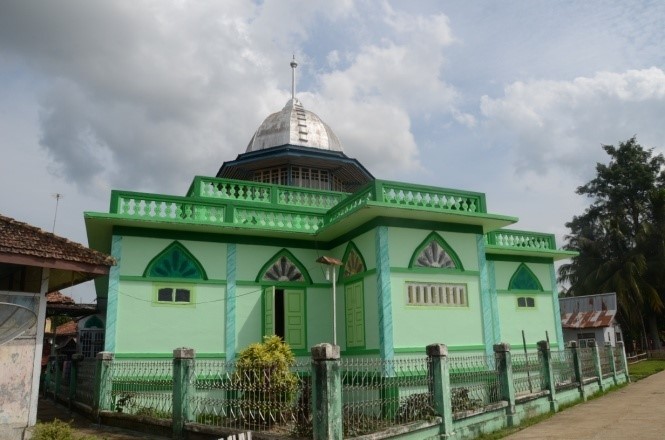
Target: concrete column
[(504, 365), (326, 392), (548, 372), (577, 362), (73, 377), (610, 358), (183, 368), (439, 372), (103, 383), (596, 364), (625, 360)]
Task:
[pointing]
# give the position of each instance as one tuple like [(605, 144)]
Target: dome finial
[(293, 77)]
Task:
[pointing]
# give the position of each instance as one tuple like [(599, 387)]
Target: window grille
[(436, 294), (91, 342)]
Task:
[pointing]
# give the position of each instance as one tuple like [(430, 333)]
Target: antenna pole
[(293, 77), (57, 197)]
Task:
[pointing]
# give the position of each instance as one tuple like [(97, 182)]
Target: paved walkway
[(47, 411), (633, 412)]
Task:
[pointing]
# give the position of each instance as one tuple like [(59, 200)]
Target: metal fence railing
[(475, 384), (257, 399), (142, 388), (587, 360), (377, 394), (563, 369), (527, 373), (85, 382)]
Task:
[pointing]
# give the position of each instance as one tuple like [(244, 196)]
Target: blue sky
[(513, 98)]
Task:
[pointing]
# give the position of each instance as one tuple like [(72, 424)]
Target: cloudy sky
[(512, 98)]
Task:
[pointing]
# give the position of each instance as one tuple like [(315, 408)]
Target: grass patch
[(646, 368)]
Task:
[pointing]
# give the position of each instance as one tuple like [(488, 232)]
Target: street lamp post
[(331, 264)]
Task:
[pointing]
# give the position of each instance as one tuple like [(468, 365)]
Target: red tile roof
[(58, 298), (68, 328), (18, 238)]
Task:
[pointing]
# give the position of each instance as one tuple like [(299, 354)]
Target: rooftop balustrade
[(520, 239), (237, 203)]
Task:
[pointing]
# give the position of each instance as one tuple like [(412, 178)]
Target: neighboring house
[(590, 318), (235, 258), (32, 263)]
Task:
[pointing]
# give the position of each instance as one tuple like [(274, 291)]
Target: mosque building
[(297, 239)]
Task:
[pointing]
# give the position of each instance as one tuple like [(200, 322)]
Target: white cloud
[(562, 124)]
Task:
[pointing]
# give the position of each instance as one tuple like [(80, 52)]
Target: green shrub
[(268, 387), (55, 430)]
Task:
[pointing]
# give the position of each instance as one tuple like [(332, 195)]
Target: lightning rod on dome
[(293, 77)]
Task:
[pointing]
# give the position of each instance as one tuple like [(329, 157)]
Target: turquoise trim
[(230, 329), (112, 299), (555, 308), (485, 298), (384, 293), (496, 320)]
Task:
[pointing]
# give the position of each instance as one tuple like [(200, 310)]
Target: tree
[(620, 237)]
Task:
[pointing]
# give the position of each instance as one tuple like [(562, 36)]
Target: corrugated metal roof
[(592, 319)]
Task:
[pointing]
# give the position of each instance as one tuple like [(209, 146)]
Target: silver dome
[(294, 125)]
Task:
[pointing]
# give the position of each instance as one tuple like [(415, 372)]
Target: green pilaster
[(609, 351), (577, 363), (230, 332), (384, 293), (112, 298), (485, 298), (555, 307), (496, 322), (73, 377)]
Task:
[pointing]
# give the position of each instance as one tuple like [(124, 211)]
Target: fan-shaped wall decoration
[(524, 279), (354, 264), (283, 270), (175, 262), (433, 255)]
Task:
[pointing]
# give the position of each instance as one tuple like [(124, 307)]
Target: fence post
[(598, 368), (439, 375), (624, 359), (610, 357), (548, 372), (103, 384), (326, 392), (183, 367), (504, 366), (58, 378), (73, 377), (577, 362)]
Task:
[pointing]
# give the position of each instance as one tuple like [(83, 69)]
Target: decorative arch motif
[(524, 279), (175, 261), (354, 263), (435, 252), (283, 267)]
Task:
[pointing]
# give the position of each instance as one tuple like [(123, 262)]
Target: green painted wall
[(145, 327), (137, 252), (417, 326), (403, 242), (534, 321)]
